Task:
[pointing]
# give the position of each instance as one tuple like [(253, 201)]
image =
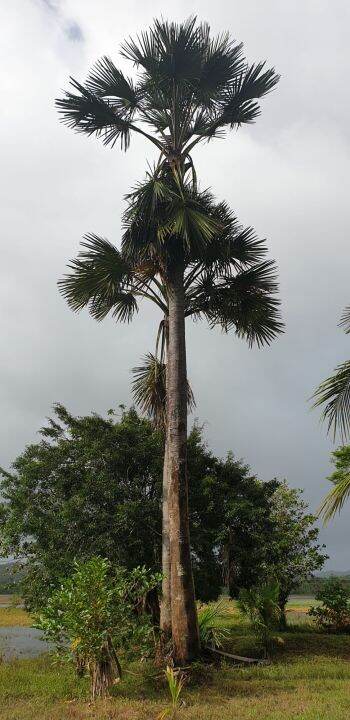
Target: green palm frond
[(100, 278), (240, 103), (149, 389), (222, 63), (335, 499), (163, 218), (188, 221), (105, 80), (245, 303), (232, 247), (345, 320), (167, 52), (213, 624), (334, 393), (88, 113)]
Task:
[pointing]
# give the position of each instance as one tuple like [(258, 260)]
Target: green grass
[(309, 679)]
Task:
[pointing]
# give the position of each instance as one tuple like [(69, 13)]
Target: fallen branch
[(238, 658)]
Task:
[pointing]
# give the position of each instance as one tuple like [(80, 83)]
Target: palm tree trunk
[(165, 607), (183, 609)]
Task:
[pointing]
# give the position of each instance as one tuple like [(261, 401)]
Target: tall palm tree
[(232, 286), (189, 88), (334, 394)]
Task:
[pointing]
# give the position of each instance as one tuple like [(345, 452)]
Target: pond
[(22, 642)]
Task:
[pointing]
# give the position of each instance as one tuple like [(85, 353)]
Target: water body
[(22, 642)]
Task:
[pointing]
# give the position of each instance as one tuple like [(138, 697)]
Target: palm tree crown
[(230, 285), (228, 282), (189, 87)]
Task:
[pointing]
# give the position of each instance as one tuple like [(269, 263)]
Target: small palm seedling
[(211, 622), (176, 681), (260, 605)]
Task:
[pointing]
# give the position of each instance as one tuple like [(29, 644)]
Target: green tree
[(93, 486), (94, 615), (333, 612), (294, 551), (190, 88)]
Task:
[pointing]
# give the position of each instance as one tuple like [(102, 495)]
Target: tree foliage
[(95, 615), (294, 551), (333, 612), (337, 496), (93, 486), (334, 392), (189, 88)]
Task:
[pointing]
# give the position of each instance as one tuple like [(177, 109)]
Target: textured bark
[(183, 609), (165, 607)]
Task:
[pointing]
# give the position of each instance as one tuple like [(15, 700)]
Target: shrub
[(95, 614), (334, 612), (260, 605)]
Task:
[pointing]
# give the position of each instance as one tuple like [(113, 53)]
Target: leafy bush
[(260, 605), (211, 619), (334, 613), (95, 614)]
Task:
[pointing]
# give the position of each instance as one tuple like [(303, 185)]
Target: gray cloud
[(70, 28), (286, 176)]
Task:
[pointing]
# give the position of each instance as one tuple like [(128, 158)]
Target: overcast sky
[(287, 176)]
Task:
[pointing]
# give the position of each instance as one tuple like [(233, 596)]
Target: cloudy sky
[(287, 176)]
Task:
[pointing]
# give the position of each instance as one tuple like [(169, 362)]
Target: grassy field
[(309, 679), (11, 616)]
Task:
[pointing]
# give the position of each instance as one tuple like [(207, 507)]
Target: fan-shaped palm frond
[(232, 247), (335, 499), (239, 102), (102, 280), (240, 105), (345, 320), (164, 218), (222, 63), (88, 113), (335, 393), (168, 52), (106, 81), (245, 302), (149, 389)]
